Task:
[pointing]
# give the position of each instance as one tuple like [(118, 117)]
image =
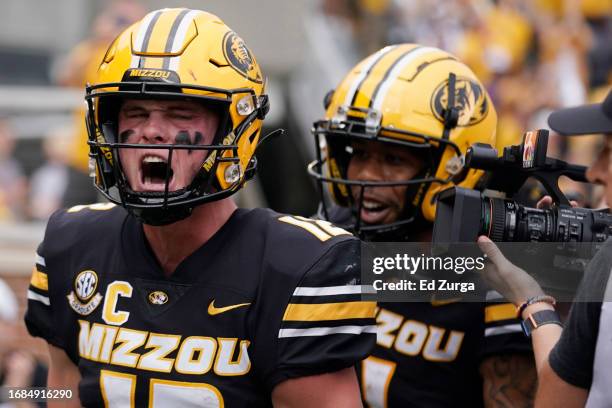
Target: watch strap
[(541, 318)]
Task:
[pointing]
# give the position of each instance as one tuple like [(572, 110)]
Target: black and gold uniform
[(428, 354), (268, 298), (395, 134)]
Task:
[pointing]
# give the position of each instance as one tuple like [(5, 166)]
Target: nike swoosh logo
[(212, 310)]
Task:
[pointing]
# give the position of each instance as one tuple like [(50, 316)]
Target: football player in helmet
[(169, 295), (394, 135)]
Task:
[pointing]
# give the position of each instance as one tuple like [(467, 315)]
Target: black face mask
[(410, 223), (406, 229)]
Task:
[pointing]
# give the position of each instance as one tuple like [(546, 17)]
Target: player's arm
[(63, 374), (508, 380), (338, 389), (320, 326), (507, 367)]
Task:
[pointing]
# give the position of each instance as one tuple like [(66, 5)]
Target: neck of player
[(172, 243)]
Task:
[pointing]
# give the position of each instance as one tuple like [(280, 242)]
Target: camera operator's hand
[(547, 202), (512, 282)]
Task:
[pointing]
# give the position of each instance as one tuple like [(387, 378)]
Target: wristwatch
[(537, 319)]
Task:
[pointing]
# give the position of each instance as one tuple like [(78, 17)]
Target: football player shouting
[(393, 136), (169, 295)]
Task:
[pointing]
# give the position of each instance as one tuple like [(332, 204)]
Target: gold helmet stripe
[(144, 31), (395, 70), (179, 39), (351, 95)]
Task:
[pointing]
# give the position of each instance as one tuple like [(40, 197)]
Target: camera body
[(462, 215)]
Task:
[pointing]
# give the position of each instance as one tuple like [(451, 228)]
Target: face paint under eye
[(183, 137), (124, 136)]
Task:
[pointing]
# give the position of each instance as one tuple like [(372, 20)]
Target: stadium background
[(533, 55)]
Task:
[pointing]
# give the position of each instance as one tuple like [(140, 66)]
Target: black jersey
[(269, 297), (429, 354)]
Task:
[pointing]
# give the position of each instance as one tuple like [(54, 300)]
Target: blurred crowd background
[(534, 56)]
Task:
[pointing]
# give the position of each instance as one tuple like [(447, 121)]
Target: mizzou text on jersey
[(267, 298)]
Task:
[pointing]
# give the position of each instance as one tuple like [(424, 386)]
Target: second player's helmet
[(403, 95), (178, 54)]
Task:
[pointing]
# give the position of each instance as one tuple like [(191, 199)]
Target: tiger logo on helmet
[(407, 96), (178, 54), (470, 100), (240, 58)]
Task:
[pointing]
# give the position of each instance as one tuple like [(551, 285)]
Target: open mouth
[(373, 211), (154, 171)]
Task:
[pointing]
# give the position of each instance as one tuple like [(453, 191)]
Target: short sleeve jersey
[(428, 354), (268, 298)]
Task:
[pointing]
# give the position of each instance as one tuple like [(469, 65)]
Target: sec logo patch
[(85, 284), (84, 299)]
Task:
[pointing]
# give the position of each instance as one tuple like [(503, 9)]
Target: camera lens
[(499, 218), (506, 220), (463, 215)]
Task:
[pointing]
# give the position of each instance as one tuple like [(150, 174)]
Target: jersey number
[(93, 207), (323, 230), (119, 390), (376, 375)]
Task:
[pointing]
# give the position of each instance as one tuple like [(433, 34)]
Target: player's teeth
[(369, 205), (153, 159)]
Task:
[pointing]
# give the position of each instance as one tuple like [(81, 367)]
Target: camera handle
[(509, 172), (556, 168)]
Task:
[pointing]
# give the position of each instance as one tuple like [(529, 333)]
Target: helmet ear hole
[(328, 98)]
